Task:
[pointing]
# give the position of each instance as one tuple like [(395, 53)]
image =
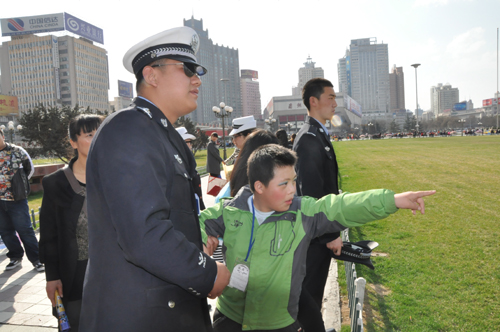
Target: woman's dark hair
[(258, 138), (83, 122), (282, 137)]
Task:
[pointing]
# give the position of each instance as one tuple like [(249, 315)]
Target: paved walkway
[(24, 306)]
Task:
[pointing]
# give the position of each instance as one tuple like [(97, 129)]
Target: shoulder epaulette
[(145, 110)]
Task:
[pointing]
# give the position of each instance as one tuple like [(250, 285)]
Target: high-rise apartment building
[(221, 83), (364, 75), (306, 73), (443, 97), (397, 84), (250, 93), (55, 71)]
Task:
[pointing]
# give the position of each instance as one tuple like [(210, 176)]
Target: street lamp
[(416, 128), (270, 121), (370, 125), (416, 89), (480, 124), (222, 113), (463, 121), (10, 126)]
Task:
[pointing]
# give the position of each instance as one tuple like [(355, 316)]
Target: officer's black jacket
[(146, 270)]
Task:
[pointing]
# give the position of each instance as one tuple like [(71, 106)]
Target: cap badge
[(321, 130), (179, 160), (195, 41), (153, 55), (164, 122)]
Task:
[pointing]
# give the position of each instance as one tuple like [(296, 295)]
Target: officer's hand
[(335, 246), (222, 281), (51, 287), (412, 200)]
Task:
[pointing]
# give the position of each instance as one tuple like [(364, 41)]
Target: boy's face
[(278, 194)]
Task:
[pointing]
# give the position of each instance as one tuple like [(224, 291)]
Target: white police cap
[(180, 44), (184, 133), (242, 124)]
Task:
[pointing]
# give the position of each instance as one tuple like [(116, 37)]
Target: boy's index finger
[(426, 193)]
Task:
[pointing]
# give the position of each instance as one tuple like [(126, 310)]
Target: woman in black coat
[(63, 223)]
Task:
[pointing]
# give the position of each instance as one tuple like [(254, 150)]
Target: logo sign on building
[(125, 89), (56, 81), (8, 104), (32, 24), (247, 73), (83, 28), (460, 106)]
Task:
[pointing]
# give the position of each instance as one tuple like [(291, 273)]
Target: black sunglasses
[(190, 69)]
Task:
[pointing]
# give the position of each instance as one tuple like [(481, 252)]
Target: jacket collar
[(175, 138)]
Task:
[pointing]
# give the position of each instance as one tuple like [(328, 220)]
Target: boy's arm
[(336, 212), (212, 222)]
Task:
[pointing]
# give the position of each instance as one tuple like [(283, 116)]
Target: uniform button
[(171, 304), (197, 294), (185, 175), (190, 288)]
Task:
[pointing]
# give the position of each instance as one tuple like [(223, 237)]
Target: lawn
[(442, 271)]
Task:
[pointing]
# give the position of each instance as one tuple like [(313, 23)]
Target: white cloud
[(435, 3), (466, 43)]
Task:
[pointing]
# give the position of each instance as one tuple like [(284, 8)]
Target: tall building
[(306, 73), (55, 71), (222, 81), (397, 84), (250, 93), (443, 97), (364, 75)]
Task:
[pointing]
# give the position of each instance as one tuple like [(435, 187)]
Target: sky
[(455, 41)]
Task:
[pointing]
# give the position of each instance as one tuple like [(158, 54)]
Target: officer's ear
[(149, 75), (313, 101)]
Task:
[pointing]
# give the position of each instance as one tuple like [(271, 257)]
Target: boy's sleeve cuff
[(390, 203)]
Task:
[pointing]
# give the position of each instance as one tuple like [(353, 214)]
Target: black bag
[(20, 185)]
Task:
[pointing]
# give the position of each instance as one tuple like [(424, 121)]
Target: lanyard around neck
[(252, 240)]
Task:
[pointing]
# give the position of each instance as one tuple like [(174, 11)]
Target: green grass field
[(442, 272)]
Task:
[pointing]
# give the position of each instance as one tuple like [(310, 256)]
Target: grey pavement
[(24, 306)]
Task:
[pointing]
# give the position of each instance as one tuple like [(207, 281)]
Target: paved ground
[(24, 306)]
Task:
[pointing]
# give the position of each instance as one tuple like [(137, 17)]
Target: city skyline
[(453, 40)]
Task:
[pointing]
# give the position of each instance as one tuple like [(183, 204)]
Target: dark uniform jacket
[(317, 169), (147, 270), (213, 158), (61, 207)]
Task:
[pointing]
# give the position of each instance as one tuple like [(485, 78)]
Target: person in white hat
[(189, 138), (242, 127), (147, 270)]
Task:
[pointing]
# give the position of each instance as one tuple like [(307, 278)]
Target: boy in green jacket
[(267, 230)]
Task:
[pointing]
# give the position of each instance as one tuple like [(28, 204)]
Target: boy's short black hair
[(265, 159), (83, 122), (314, 88)]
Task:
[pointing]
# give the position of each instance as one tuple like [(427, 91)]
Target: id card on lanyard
[(241, 270)]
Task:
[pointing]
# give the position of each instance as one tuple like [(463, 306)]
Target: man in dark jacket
[(317, 176), (15, 170), (213, 156), (147, 270)]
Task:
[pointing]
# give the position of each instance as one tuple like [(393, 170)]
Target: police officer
[(147, 270), (317, 176)]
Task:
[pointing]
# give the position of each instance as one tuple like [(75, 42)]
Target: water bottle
[(61, 313)]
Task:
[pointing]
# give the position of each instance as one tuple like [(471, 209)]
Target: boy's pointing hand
[(412, 200)]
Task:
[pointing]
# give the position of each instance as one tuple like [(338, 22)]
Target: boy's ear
[(259, 187)]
